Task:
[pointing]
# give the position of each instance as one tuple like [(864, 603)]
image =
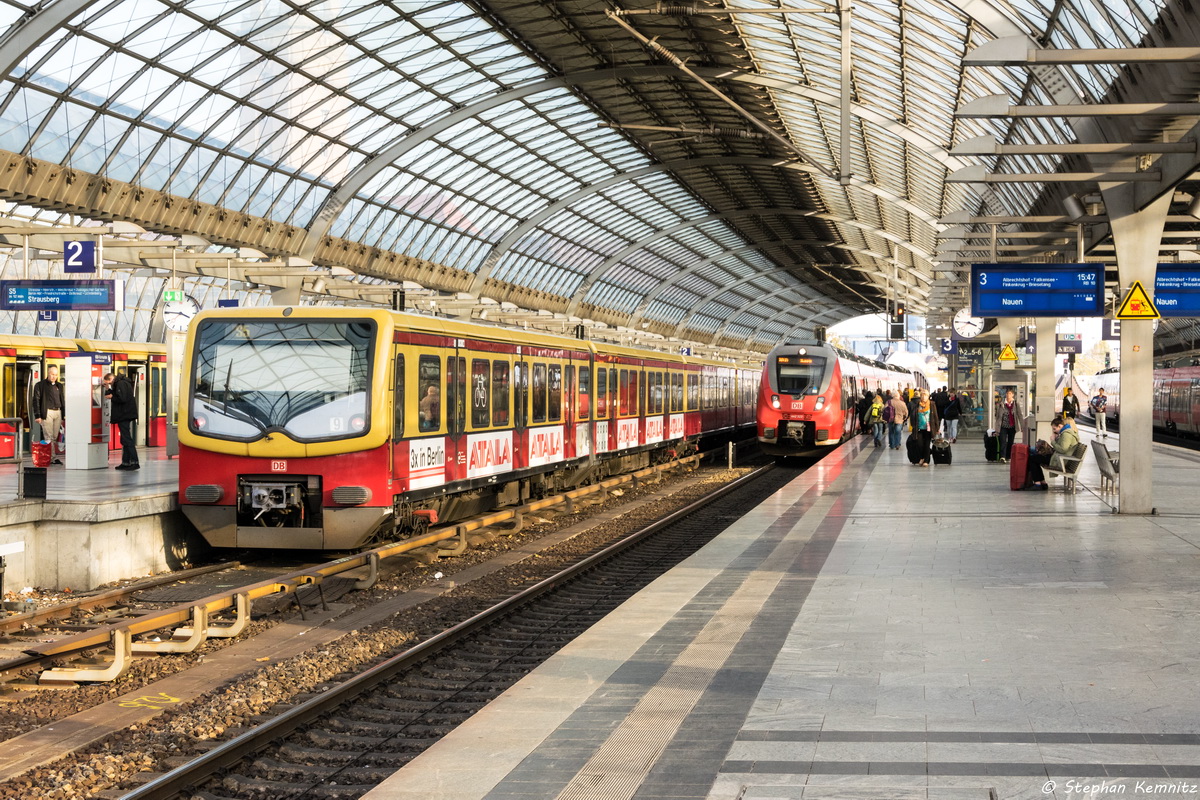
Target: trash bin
[(42, 453), (35, 483)]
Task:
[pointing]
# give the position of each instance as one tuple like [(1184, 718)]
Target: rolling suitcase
[(913, 445), (941, 451), (991, 446), (1018, 468)]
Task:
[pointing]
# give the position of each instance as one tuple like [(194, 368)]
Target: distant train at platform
[(24, 361), (809, 392), (334, 428), (1176, 398)]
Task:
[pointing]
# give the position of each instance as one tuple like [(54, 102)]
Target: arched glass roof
[(536, 152)]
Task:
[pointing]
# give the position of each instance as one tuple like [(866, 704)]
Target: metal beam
[(753, 302), (997, 105), (988, 146), (1014, 51), (25, 36), (980, 174)]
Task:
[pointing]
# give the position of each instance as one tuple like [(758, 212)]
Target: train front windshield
[(309, 379), (799, 374)]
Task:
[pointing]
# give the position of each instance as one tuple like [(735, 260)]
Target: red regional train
[(808, 394), (331, 428), (1176, 398)]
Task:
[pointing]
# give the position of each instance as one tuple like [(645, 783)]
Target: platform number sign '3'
[(79, 256)]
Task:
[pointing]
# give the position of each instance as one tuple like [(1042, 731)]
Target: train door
[(456, 416), (20, 376), (156, 416), (8, 404), (1192, 421), (141, 392), (520, 381), (568, 411)]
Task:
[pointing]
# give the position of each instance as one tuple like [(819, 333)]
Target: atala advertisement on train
[(490, 453)]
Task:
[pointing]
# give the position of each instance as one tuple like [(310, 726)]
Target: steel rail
[(227, 754), (182, 614)]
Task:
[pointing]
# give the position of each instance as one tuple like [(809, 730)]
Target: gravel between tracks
[(183, 730)]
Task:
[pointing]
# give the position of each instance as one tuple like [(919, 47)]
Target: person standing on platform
[(124, 414), (925, 422), (898, 421), (950, 414), (1098, 404), (1070, 404), (48, 407), (1008, 412), (875, 418)]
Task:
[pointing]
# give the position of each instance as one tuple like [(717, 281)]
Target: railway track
[(344, 740), (36, 645)]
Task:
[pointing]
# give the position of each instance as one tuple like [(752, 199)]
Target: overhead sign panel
[(31, 295), (1037, 290), (1177, 290)]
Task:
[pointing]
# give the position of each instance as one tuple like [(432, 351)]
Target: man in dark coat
[(124, 413)]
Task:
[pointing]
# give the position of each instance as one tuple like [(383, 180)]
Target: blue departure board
[(30, 295), (1037, 290), (1177, 290)]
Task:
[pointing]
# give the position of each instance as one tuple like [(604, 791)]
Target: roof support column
[(1043, 376), (1137, 233)]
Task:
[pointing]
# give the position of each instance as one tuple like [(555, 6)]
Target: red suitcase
[(1018, 467)]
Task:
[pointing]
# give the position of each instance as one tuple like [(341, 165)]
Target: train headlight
[(200, 421), (774, 401), (802, 351), (820, 402), (357, 422)]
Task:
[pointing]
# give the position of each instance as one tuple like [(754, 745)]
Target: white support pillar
[(1136, 235), (1046, 404)]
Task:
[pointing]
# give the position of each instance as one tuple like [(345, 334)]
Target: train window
[(397, 399), (585, 392), (612, 392), (637, 394), (521, 389), (480, 393), (602, 393), (724, 395), (429, 379), (623, 410), (456, 393), (539, 393), (555, 392), (802, 377), (693, 391), (706, 389), (500, 394)]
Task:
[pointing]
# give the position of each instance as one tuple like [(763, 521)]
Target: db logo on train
[(278, 466)]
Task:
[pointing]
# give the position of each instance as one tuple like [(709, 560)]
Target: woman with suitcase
[(925, 422)]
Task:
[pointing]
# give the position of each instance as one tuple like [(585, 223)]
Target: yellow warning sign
[(1007, 353), (1137, 305)]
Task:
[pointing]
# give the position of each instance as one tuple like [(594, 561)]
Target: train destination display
[(1037, 290), (1177, 290), (84, 295)]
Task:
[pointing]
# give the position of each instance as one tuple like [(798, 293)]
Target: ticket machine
[(87, 411)]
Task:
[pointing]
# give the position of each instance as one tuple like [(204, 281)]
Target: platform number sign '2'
[(79, 256)]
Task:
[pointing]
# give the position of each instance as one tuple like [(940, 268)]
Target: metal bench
[(1066, 466), (1109, 466)]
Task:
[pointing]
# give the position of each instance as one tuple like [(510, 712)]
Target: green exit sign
[(172, 295)]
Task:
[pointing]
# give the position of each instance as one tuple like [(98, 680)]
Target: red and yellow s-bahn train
[(24, 361), (330, 428), (809, 392)]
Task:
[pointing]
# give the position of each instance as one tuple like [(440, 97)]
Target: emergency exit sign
[(172, 295)]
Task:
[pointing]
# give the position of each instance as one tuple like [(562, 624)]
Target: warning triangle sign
[(1137, 305), (1007, 353)]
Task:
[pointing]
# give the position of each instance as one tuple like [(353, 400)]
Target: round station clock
[(177, 314), (967, 326)]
